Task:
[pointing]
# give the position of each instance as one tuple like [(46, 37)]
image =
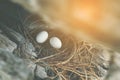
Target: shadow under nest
[(76, 60)]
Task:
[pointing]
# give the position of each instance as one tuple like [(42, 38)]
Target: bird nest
[(75, 60)]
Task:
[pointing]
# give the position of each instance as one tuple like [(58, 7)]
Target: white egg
[(42, 37), (55, 42)]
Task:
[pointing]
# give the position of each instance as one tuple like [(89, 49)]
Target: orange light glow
[(83, 14), (86, 10)]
